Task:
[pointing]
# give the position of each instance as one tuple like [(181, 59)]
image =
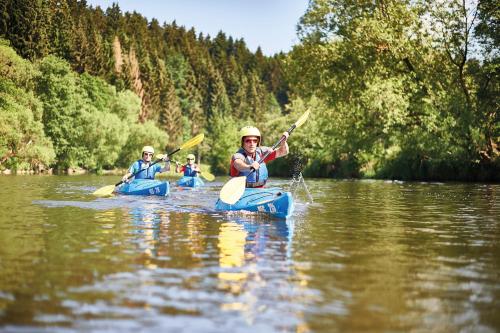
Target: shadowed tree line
[(398, 89)]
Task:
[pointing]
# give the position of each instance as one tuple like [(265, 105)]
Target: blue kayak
[(144, 187), (186, 181), (273, 201)]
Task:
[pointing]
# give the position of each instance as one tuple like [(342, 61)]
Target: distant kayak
[(144, 187), (186, 181), (273, 201)]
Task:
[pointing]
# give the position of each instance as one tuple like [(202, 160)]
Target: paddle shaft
[(155, 162)]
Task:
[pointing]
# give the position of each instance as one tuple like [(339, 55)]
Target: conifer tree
[(231, 74), (192, 106), (217, 96), (28, 30), (5, 10), (114, 21), (80, 47), (61, 29), (134, 81), (170, 112)]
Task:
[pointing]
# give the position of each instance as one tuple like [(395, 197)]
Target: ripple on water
[(391, 256)]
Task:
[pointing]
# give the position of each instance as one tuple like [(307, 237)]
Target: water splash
[(298, 180)]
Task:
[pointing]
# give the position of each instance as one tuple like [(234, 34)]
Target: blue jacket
[(148, 173), (188, 172), (258, 177)]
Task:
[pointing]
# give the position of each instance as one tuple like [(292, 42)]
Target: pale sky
[(270, 24)]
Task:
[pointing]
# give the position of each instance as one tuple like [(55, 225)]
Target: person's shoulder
[(238, 156)]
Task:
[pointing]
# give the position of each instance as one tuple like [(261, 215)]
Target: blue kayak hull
[(190, 182), (144, 187), (272, 201)]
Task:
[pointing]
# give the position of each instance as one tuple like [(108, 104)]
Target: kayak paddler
[(148, 172), (249, 154), (190, 169)]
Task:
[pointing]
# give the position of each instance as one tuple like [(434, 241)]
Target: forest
[(397, 89)]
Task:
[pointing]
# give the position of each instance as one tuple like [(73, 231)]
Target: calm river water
[(369, 256)]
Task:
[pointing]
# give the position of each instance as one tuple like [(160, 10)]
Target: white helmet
[(148, 149), (250, 131)]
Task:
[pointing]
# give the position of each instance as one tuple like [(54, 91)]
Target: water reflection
[(231, 271), (251, 253)]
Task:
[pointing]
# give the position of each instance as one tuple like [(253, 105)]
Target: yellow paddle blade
[(233, 190), (302, 119), (208, 176), (193, 141), (105, 191)]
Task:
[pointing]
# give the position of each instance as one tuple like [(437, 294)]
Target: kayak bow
[(186, 181), (272, 201), (144, 187)]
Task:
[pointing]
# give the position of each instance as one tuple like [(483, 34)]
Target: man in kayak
[(248, 156), (148, 172), (190, 169)]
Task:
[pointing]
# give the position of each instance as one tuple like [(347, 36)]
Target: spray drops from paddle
[(297, 181)]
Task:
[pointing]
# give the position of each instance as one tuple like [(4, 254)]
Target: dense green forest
[(397, 89)]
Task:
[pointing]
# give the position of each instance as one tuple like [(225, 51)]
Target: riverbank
[(81, 171), (332, 172)]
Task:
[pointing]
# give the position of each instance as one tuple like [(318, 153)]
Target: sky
[(270, 24)]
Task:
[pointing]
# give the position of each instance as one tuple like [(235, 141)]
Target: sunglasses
[(190, 159), (148, 154), (251, 140)]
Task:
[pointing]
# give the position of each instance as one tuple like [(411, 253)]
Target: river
[(367, 255)]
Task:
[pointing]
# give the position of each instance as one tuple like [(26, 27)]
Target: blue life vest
[(258, 177), (148, 173), (189, 172)]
